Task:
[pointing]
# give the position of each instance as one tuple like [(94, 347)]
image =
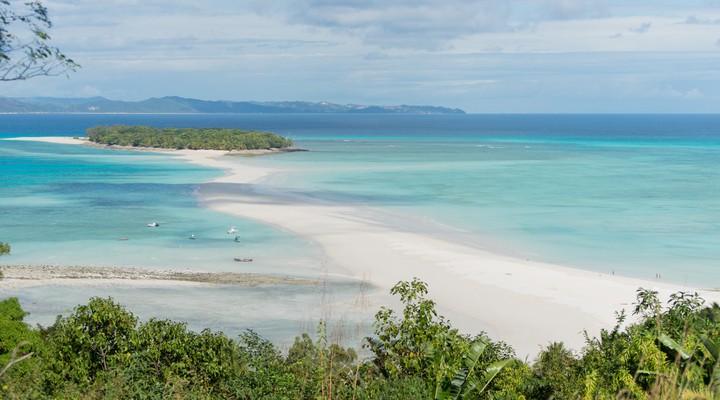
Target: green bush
[(89, 343), (17, 340), (101, 351), (186, 138)]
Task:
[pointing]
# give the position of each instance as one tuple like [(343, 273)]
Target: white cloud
[(88, 91), (483, 56), (693, 20), (597, 35), (694, 93), (419, 24), (574, 9), (643, 28), (671, 92)]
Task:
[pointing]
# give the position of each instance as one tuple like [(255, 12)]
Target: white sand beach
[(524, 303)]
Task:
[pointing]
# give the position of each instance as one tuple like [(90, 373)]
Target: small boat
[(153, 224), (122, 238), (243, 259), (193, 237), (232, 230), (238, 239)]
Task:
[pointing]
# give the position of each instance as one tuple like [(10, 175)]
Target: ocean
[(633, 195)]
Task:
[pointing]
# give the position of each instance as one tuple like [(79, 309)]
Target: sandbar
[(525, 303), (16, 276)]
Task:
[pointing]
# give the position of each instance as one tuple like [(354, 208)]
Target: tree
[(558, 370), (18, 343), (4, 249), (89, 342), (185, 138), (25, 51), (402, 345)]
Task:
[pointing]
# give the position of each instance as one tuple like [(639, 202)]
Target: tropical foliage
[(101, 350), (4, 249), (186, 138)]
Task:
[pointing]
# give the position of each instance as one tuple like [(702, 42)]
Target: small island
[(186, 138)]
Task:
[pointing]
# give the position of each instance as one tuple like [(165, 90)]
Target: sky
[(483, 56)]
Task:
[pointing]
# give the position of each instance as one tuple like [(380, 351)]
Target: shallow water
[(636, 195), (635, 210), (278, 313), (70, 204)]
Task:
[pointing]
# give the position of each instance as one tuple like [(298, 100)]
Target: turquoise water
[(637, 195), (635, 209), (70, 204), (634, 194)]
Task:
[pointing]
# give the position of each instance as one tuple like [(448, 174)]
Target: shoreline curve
[(525, 303)]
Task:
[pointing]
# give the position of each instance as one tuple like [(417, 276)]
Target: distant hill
[(174, 104)]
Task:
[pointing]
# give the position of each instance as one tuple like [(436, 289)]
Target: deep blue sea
[(637, 195)]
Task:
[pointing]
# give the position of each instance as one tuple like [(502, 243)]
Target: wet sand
[(16, 276)]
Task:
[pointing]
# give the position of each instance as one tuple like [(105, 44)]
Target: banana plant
[(467, 383), (714, 349)]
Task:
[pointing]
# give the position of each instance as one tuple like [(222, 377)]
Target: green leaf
[(492, 371), (671, 343), (711, 347)]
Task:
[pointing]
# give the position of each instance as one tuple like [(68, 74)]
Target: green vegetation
[(4, 249), (25, 50), (186, 138), (101, 351)]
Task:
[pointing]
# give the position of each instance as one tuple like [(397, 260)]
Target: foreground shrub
[(94, 339), (101, 351), (18, 344)]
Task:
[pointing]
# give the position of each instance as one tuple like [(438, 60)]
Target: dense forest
[(102, 351), (186, 138)]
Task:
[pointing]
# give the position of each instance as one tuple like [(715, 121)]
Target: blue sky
[(484, 56)]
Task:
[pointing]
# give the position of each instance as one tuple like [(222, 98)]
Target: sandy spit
[(525, 303), (86, 142), (37, 275)]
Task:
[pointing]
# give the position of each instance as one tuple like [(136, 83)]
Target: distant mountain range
[(184, 105)]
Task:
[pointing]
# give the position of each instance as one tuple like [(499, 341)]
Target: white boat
[(153, 224), (193, 237), (232, 230)]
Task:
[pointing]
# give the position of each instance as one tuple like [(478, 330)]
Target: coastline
[(16, 276), (524, 303), (86, 142)]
